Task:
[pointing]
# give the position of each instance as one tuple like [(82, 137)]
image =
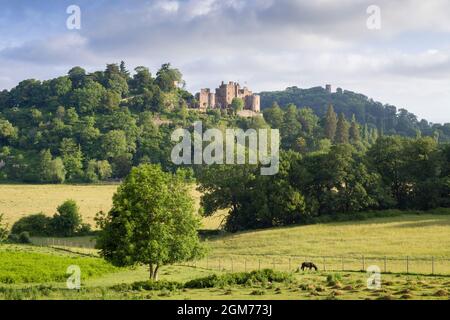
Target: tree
[(51, 170), (330, 123), (167, 78), (36, 225), (72, 158), (3, 230), (342, 130), (237, 104), (7, 131), (291, 127), (142, 80), (67, 220), (152, 221), (77, 75), (274, 116), (354, 134)]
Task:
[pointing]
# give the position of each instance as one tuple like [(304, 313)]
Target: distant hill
[(387, 118)]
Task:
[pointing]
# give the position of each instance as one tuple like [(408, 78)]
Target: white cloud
[(269, 44)]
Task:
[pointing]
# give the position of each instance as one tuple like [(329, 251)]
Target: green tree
[(291, 127), (167, 78), (342, 130), (51, 170), (354, 133), (72, 158), (237, 104), (67, 221), (330, 123), (274, 116), (152, 221)]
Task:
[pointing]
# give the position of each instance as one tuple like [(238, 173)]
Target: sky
[(400, 56)]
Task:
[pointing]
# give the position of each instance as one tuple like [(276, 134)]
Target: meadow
[(341, 250), (176, 282), (19, 200)]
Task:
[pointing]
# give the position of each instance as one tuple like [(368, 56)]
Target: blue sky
[(268, 44)]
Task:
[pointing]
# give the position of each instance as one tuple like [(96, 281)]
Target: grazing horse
[(308, 265)]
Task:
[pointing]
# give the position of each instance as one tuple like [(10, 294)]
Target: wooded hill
[(388, 119)]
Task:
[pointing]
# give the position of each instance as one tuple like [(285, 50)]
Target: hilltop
[(388, 119)]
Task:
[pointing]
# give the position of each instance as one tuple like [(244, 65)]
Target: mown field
[(19, 200), (340, 250)]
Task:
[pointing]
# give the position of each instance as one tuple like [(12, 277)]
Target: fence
[(237, 263), (387, 264)]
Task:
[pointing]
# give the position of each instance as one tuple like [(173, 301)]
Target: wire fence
[(386, 264), (239, 263)]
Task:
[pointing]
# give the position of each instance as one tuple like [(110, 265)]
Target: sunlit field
[(19, 200)]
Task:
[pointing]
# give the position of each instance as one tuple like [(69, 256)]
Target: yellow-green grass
[(19, 200), (410, 243), (27, 265), (414, 235)]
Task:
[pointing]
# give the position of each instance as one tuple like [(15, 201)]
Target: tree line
[(385, 118), (394, 173)]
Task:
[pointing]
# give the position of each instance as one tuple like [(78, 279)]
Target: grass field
[(106, 282), (338, 249), (19, 200)]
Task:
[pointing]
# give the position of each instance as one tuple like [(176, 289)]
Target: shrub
[(333, 279), (24, 237), (157, 285), (67, 220), (84, 230), (241, 278), (35, 225)]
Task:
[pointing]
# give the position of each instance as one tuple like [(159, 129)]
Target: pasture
[(107, 282), (341, 250)]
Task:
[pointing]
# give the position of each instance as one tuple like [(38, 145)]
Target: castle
[(224, 96)]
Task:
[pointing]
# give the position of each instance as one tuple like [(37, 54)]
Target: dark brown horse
[(308, 265)]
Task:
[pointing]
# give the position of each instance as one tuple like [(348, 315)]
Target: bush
[(35, 225), (240, 278), (24, 237), (333, 279), (67, 221), (157, 285), (85, 230)]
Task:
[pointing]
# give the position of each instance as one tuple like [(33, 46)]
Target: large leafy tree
[(152, 221)]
